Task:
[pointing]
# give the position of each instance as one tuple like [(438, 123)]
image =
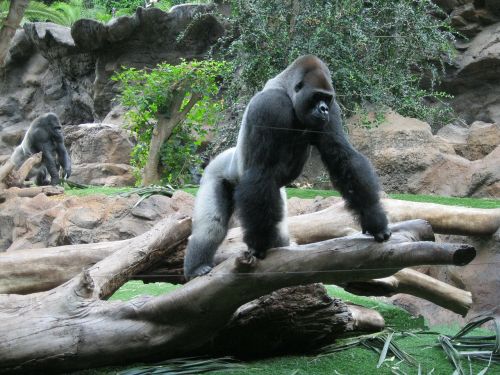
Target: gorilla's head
[(311, 92), (51, 123)]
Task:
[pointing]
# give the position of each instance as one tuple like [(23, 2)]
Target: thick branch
[(417, 284), (28, 271), (17, 177), (5, 169)]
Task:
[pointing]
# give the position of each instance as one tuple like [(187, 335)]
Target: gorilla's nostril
[(323, 109)]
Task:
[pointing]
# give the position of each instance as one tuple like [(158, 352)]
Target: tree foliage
[(380, 51), (150, 94)]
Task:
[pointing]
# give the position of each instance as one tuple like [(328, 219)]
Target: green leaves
[(150, 93), (379, 51)]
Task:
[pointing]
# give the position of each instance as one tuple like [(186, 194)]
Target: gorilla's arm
[(64, 158), (352, 174)]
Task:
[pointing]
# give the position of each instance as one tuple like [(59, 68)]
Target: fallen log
[(417, 284), (10, 177), (72, 326), (297, 319), (35, 270)]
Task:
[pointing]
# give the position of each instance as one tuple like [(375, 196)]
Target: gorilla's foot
[(258, 254), (383, 235), (246, 261), (199, 271)]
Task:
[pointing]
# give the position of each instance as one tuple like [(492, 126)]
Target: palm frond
[(381, 342), (188, 365), (38, 11), (483, 348)]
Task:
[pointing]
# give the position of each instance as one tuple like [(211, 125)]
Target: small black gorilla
[(296, 109), (45, 135)]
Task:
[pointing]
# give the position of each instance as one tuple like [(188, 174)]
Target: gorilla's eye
[(298, 86)]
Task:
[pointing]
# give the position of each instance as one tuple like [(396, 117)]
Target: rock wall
[(474, 78)]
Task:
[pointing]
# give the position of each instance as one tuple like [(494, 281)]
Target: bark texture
[(10, 25)]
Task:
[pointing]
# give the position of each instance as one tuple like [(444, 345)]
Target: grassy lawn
[(312, 193), (359, 360)]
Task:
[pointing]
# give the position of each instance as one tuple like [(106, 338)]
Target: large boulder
[(100, 154), (410, 159), (399, 148), (474, 142)]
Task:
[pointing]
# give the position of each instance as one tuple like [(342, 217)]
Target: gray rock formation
[(474, 79)]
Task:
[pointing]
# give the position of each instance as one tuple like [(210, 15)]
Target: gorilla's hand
[(374, 221), (67, 171)]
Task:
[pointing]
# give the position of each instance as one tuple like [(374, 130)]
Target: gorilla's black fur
[(296, 109), (44, 135)]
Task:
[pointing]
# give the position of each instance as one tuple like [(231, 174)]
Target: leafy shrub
[(380, 51)]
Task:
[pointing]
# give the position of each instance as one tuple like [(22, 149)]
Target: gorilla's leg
[(283, 234), (260, 207), (213, 209), (49, 160)]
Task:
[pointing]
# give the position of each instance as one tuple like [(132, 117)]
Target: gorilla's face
[(313, 98), (53, 125)]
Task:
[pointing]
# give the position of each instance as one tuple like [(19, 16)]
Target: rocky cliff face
[(67, 71), (474, 78)]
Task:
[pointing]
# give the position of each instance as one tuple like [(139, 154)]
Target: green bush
[(380, 52)]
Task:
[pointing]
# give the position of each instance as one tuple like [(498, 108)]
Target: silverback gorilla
[(296, 109), (44, 135)]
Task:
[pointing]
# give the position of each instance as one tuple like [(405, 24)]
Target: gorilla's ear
[(298, 86)]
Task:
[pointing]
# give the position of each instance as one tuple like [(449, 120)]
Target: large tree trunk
[(10, 25), (162, 133), (72, 326)]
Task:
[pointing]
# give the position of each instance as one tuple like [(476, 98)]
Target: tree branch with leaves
[(171, 107)]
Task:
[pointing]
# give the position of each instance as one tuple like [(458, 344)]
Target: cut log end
[(464, 255)]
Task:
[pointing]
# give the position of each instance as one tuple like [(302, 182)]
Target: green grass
[(94, 190), (313, 193), (357, 361), (450, 201)]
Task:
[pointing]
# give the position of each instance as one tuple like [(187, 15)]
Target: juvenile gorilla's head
[(312, 92)]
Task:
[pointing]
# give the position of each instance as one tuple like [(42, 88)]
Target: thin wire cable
[(350, 136)]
